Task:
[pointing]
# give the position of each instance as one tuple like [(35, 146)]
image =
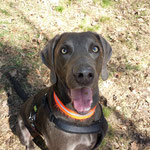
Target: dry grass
[(26, 25)]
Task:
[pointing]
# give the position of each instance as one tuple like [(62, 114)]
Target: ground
[(26, 26)]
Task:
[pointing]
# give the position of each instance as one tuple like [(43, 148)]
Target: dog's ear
[(47, 56), (107, 52)]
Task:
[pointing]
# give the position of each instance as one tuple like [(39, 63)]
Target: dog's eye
[(64, 51), (95, 49)]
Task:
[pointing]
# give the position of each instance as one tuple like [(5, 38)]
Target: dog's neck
[(62, 93)]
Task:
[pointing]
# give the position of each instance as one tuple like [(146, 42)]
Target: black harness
[(66, 126)]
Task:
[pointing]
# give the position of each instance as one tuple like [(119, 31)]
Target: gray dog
[(68, 114)]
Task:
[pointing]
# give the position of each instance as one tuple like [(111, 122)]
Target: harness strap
[(66, 126)]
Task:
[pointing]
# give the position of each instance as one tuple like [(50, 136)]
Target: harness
[(95, 127)]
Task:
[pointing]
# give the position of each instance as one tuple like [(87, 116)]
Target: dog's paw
[(30, 146)]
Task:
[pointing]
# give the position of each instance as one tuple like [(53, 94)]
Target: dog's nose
[(84, 75)]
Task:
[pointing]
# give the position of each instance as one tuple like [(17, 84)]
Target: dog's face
[(77, 60)]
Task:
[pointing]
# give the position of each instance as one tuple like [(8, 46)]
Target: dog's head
[(77, 60)]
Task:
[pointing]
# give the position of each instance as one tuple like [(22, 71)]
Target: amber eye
[(64, 51), (95, 49)]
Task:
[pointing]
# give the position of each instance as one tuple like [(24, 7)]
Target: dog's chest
[(81, 142), (68, 141)]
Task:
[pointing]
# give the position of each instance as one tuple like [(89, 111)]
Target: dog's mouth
[(82, 99)]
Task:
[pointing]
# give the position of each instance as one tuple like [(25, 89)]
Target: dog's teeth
[(87, 109)]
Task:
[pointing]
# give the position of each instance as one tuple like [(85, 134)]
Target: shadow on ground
[(131, 133), (20, 82)]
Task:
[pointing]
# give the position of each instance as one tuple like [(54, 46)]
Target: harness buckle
[(52, 117)]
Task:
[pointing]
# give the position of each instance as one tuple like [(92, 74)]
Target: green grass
[(106, 111), (85, 26), (104, 19), (129, 44), (2, 90), (104, 142), (106, 3), (89, 28), (109, 136), (17, 61), (3, 33), (4, 22), (59, 9), (4, 12), (30, 54), (96, 1), (110, 133), (92, 28), (1, 45), (132, 67), (11, 4)]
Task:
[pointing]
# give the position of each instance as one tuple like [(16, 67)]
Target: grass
[(104, 19), (106, 3), (96, 1), (109, 136), (132, 67), (4, 22), (89, 28), (141, 14), (1, 45), (3, 33), (106, 111), (59, 9), (103, 3), (129, 44), (110, 133), (104, 142), (2, 90), (3, 11), (86, 26), (17, 61)]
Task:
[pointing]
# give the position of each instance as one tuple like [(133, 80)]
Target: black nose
[(84, 75)]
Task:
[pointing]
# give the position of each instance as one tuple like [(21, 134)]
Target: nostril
[(90, 75), (80, 75)]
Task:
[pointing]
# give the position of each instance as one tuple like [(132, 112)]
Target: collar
[(71, 113)]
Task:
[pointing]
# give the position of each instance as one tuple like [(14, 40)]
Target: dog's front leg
[(24, 134)]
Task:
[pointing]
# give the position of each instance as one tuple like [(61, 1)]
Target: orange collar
[(72, 113)]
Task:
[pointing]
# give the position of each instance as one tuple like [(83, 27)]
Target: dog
[(68, 114)]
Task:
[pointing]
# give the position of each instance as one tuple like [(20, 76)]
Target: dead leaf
[(38, 72), (134, 146)]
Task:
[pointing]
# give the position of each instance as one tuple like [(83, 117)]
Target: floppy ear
[(47, 56), (107, 52)]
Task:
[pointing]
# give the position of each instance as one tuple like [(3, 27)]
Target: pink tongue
[(82, 99)]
